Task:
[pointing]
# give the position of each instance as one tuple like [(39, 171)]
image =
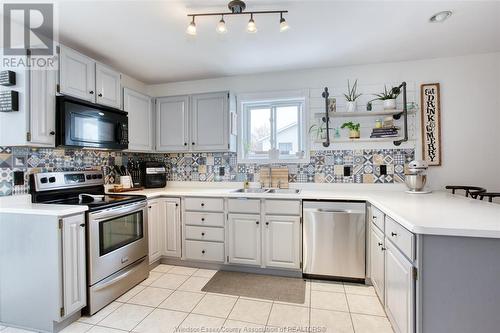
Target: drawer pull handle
[(393, 234), (203, 251), (379, 244), (203, 234), (202, 219)]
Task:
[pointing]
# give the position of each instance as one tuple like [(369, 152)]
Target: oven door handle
[(122, 276), (115, 212)]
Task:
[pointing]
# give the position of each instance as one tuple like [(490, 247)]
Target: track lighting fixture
[(237, 7)]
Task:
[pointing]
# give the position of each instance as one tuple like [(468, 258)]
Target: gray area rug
[(275, 288)]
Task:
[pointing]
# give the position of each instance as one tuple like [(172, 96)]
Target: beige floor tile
[(251, 311), (365, 305), (241, 326), (359, 289), (288, 315), (331, 321), (181, 301), (183, 270), (207, 273), (329, 301), (215, 306), (131, 293), (101, 314), (370, 324), (151, 296), (153, 276), (102, 329), (170, 281), (259, 299), (194, 284), (332, 286), (161, 268), (196, 322), (161, 321), (126, 317), (77, 327)]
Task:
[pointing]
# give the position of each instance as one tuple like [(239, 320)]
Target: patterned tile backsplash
[(326, 166)]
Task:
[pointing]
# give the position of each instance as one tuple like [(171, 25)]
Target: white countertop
[(437, 213), (21, 204)]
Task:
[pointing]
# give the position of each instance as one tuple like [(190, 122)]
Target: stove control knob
[(94, 176), (52, 179), (88, 177), (43, 180), (99, 176)]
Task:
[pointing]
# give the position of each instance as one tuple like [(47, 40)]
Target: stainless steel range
[(116, 231)]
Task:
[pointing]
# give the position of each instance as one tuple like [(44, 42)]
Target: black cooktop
[(108, 201)]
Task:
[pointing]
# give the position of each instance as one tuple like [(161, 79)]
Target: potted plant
[(354, 132), (351, 96), (318, 130), (388, 97)]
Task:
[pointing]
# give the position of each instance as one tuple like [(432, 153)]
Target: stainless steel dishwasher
[(334, 239)]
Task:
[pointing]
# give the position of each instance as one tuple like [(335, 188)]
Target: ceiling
[(147, 39)]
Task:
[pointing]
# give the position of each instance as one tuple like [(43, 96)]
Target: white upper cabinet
[(282, 241), (108, 87), (172, 123), (42, 107), (210, 122), (76, 74), (74, 264), (244, 239), (140, 120)]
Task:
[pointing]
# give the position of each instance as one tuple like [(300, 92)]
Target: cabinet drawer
[(209, 251), (402, 238), (378, 218), (205, 233), (204, 204), (251, 206), (282, 207), (204, 219)]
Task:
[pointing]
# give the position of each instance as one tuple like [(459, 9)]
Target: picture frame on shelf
[(430, 101)]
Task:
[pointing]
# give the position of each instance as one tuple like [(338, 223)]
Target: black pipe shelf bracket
[(404, 114), (326, 118)]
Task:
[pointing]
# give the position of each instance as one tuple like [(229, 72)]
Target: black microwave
[(88, 125)]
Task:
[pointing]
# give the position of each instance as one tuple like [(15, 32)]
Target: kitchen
[(253, 177)]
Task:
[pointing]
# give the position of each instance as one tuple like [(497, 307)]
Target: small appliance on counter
[(416, 178), (154, 174)]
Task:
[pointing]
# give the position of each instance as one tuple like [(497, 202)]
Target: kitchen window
[(273, 130)]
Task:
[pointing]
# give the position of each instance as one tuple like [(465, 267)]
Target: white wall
[(470, 103)]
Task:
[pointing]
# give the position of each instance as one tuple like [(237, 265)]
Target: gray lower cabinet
[(244, 239), (282, 241), (377, 260)]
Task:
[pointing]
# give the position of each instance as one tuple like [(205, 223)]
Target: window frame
[(273, 100)]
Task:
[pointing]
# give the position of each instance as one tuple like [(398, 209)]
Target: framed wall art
[(431, 123)]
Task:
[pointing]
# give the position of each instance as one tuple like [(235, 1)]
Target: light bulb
[(221, 26), (191, 29), (251, 27), (283, 25)]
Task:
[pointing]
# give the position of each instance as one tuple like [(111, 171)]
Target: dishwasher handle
[(341, 211)]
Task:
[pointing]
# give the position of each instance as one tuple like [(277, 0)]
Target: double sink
[(268, 190)]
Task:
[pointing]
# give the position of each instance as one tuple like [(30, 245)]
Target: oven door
[(118, 237), (83, 124)]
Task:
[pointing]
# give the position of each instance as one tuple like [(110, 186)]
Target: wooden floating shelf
[(363, 113), (347, 140)]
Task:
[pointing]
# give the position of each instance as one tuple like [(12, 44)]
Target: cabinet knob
[(82, 225), (91, 92), (379, 244), (192, 143), (100, 95), (383, 249), (185, 143), (203, 251), (203, 234), (176, 205), (52, 133), (256, 222), (393, 234), (149, 207), (374, 217), (202, 219), (267, 223), (202, 204)]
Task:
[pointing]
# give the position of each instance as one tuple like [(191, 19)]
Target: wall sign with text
[(431, 123)]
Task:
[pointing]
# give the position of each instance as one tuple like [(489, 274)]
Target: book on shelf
[(385, 132)]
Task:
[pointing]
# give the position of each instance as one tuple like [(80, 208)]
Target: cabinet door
[(171, 226), (42, 107), (140, 120), (74, 266), (399, 290), (244, 239), (210, 122), (172, 123), (282, 241), (108, 86), (155, 218), (76, 75), (377, 262)]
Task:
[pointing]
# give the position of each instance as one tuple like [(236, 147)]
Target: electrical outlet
[(383, 169), (347, 171), (18, 177), (222, 171)]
